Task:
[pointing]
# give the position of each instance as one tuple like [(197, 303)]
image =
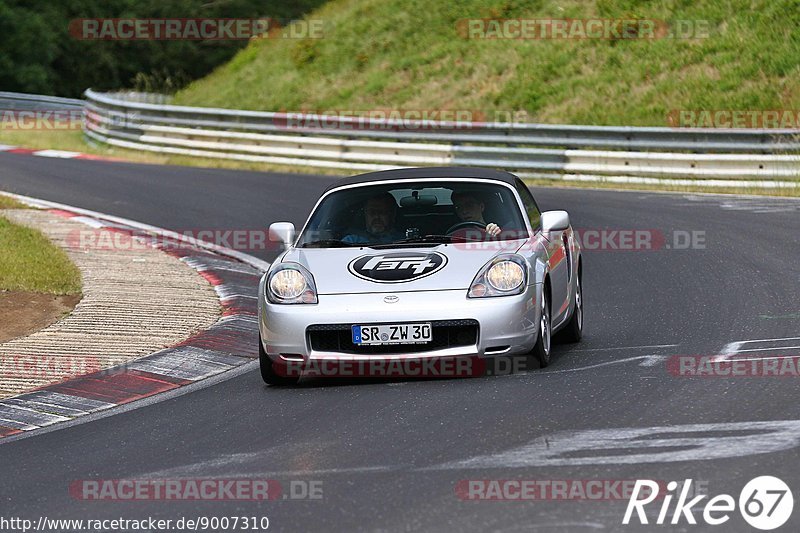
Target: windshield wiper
[(329, 243), (433, 239)]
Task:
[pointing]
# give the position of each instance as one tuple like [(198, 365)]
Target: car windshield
[(399, 214)]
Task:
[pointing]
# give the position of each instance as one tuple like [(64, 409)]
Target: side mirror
[(554, 221), (283, 232)]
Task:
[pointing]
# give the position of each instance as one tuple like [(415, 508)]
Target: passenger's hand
[(492, 229)]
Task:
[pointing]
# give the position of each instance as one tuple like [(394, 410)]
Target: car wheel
[(541, 350), (573, 331), (268, 372)]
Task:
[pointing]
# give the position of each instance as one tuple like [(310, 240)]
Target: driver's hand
[(492, 229)]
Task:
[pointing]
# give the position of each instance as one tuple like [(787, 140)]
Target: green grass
[(407, 54), (68, 139), (74, 141), (42, 139), (30, 262), (6, 202)]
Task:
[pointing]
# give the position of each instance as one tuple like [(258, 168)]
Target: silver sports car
[(419, 265)]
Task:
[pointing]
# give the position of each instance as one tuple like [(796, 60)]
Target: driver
[(470, 209), (379, 216)]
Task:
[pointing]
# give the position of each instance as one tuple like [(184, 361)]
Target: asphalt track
[(390, 455)]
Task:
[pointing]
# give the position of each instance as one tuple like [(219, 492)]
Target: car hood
[(362, 269)]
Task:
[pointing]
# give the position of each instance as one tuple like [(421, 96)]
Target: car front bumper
[(506, 325)]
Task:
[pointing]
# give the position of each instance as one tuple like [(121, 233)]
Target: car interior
[(420, 211)]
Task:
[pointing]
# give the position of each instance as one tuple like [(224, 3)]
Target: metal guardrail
[(25, 102), (362, 144)]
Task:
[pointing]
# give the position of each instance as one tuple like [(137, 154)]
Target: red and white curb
[(231, 342), (58, 154)]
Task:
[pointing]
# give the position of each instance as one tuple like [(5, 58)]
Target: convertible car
[(422, 264)]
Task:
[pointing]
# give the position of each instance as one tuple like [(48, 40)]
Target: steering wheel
[(464, 225)]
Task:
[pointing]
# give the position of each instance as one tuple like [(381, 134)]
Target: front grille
[(445, 334)]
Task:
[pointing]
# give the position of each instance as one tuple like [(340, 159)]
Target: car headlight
[(505, 276), (291, 283), (502, 276)]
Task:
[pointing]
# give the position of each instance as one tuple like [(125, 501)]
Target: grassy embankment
[(412, 55), (29, 262)]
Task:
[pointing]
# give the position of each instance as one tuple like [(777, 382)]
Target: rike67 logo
[(765, 503)]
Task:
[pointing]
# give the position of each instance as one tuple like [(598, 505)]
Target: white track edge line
[(254, 262)]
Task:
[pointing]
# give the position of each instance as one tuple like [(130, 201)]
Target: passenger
[(469, 208)]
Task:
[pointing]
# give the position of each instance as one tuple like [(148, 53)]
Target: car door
[(558, 259)]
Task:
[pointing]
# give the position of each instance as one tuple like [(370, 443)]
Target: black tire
[(543, 347), (573, 330), (268, 372)]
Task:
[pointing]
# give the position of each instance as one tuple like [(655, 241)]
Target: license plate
[(392, 334)]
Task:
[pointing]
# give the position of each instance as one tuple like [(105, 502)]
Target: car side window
[(534, 214)]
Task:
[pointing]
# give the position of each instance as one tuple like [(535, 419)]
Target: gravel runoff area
[(136, 301)]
